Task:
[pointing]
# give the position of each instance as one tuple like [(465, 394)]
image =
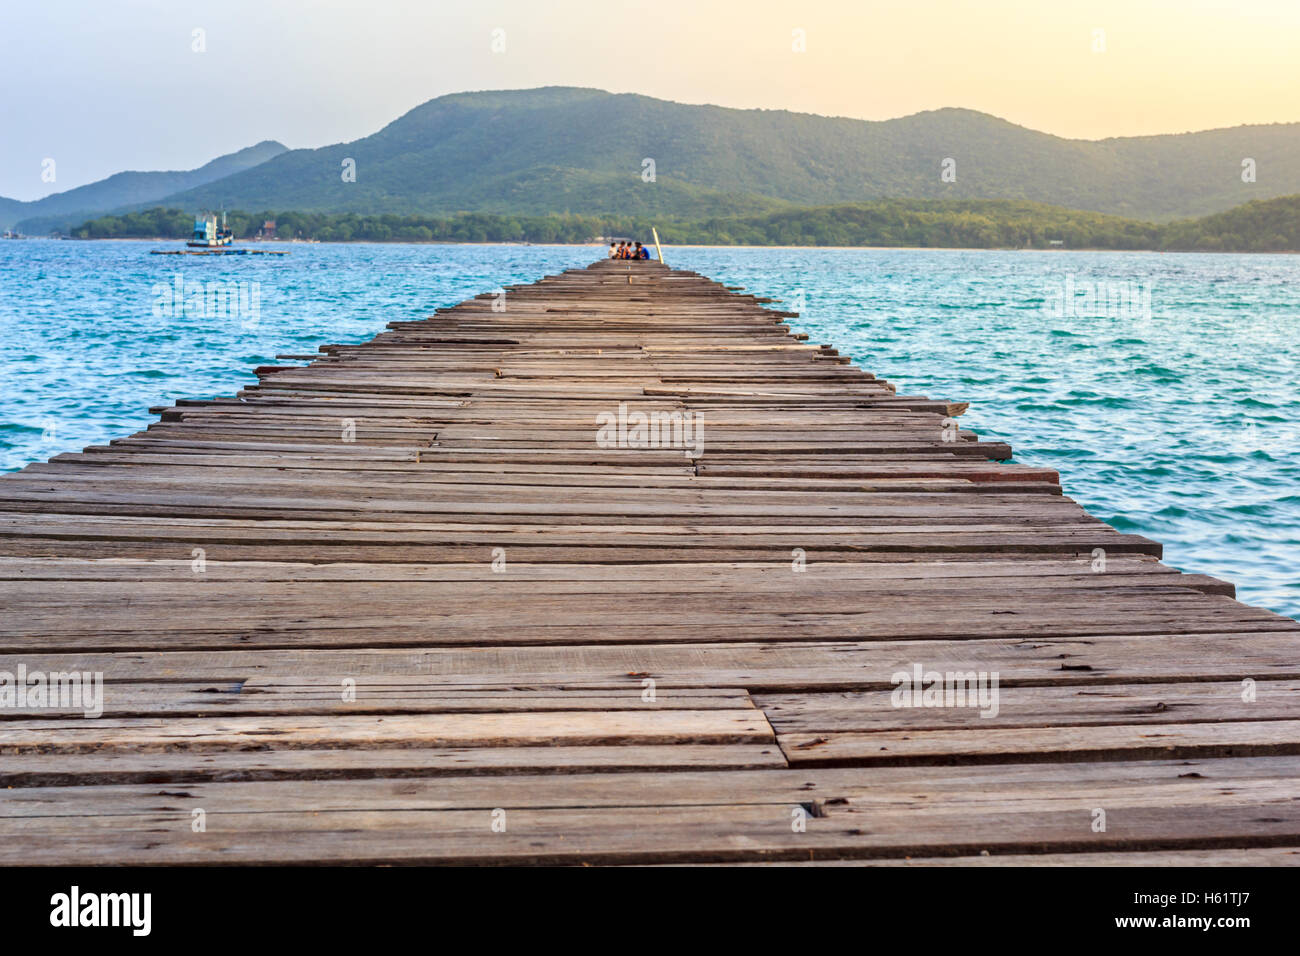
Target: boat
[(209, 240), (207, 235)]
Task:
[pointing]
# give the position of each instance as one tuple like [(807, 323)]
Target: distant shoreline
[(684, 245), (1270, 225)]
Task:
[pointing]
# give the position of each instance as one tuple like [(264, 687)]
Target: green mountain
[(11, 211), (125, 190), (560, 149)]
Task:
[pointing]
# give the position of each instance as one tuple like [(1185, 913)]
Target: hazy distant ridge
[(126, 190)]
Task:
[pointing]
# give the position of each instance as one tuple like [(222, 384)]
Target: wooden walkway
[(402, 605)]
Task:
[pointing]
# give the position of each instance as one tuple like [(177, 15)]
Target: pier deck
[(400, 605)]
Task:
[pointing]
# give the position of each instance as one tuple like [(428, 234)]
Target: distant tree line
[(160, 223), (1260, 226)]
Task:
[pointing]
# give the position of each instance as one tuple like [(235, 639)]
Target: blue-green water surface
[(1179, 419)]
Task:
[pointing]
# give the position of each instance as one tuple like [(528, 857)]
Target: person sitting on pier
[(642, 252), (613, 250)]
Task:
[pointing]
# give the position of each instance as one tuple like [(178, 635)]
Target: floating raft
[(400, 606), (219, 252)]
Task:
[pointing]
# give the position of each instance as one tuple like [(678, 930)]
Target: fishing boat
[(211, 240), (207, 235)]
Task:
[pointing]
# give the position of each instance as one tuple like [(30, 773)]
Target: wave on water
[(1183, 426), (1147, 418)]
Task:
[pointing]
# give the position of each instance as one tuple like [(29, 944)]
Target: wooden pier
[(404, 605)]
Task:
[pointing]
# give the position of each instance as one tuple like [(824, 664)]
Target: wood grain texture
[(357, 608)]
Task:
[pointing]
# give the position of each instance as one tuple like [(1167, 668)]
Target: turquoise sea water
[(1167, 395)]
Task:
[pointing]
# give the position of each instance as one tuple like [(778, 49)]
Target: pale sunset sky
[(106, 86)]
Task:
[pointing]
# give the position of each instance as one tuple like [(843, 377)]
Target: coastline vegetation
[(1259, 226)]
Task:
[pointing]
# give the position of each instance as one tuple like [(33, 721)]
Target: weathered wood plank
[(649, 726), (541, 620), (1000, 744), (1050, 706), (375, 763), (845, 665)]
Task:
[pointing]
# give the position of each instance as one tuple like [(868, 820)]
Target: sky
[(105, 85)]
